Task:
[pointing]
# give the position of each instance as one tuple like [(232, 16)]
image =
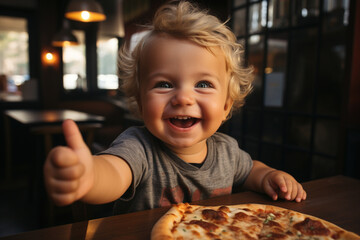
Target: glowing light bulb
[(49, 56), (268, 70), (85, 15)]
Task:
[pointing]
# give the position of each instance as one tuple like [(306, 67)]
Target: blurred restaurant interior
[(302, 117)]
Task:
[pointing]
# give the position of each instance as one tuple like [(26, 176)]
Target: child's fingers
[(72, 135), (281, 183), (58, 185), (64, 186), (289, 188), (269, 190), (301, 194), (295, 192), (62, 157), (69, 173), (304, 195), (63, 199), (298, 194)]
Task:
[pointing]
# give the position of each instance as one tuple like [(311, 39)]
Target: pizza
[(245, 221)]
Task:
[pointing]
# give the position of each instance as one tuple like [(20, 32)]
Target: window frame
[(91, 36), (34, 55), (256, 142)]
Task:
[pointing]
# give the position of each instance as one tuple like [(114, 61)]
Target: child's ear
[(227, 107)]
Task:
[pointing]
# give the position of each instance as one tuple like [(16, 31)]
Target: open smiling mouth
[(184, 122)]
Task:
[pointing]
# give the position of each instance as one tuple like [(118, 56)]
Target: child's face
[(183, 91)]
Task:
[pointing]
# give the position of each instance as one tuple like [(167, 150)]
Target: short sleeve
[(132, 145)]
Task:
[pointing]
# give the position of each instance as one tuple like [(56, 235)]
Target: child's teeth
[(183, 121), (182, 118)]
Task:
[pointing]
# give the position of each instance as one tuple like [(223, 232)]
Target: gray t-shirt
[(161, 178)]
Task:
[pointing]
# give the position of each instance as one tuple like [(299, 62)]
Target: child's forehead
[(154, 41), (155, 44)]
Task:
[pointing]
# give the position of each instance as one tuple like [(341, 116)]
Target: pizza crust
[(162, 228)]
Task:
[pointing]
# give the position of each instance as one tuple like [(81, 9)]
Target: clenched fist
[(68, 170)]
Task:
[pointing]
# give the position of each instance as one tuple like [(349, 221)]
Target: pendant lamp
[(64, 37), (85, 11)]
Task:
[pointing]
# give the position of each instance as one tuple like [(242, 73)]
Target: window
[(78, 68), (298, 48), (75, 65), (257, 17), (107, 52), (14, 61)]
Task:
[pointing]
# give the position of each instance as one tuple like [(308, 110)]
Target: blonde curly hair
[(184, 20)]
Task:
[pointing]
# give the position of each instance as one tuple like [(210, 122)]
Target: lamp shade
[(85, 11), (64, 37)]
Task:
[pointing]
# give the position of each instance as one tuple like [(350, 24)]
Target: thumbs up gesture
[(69, 170)]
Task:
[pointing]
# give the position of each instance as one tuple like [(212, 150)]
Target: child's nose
[(183, 97)]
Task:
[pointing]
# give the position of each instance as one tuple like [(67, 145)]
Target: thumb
[(72, 135)]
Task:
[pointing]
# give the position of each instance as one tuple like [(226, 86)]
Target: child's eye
[(163, 84), (204, 84)]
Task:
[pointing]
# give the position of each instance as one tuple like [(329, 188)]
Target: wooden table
[(335, 199), (51, 117), (46, 123)]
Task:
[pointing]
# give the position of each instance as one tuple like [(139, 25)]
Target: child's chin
[(181, 143)]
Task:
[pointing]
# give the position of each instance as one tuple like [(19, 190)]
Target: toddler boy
[(184, 79)]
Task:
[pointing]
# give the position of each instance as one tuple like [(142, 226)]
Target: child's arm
[(275, 183), (71, 173)]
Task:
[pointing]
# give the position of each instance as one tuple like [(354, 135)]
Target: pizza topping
[(205, 225), (312, 227), (213, 236), (195, 233), (272, 224), (217, 216), (241, 216), (269, 218), (234, 229), (224, 209), (188, 211)]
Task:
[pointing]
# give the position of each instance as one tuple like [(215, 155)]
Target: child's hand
[(68, 171), (280, 184)]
